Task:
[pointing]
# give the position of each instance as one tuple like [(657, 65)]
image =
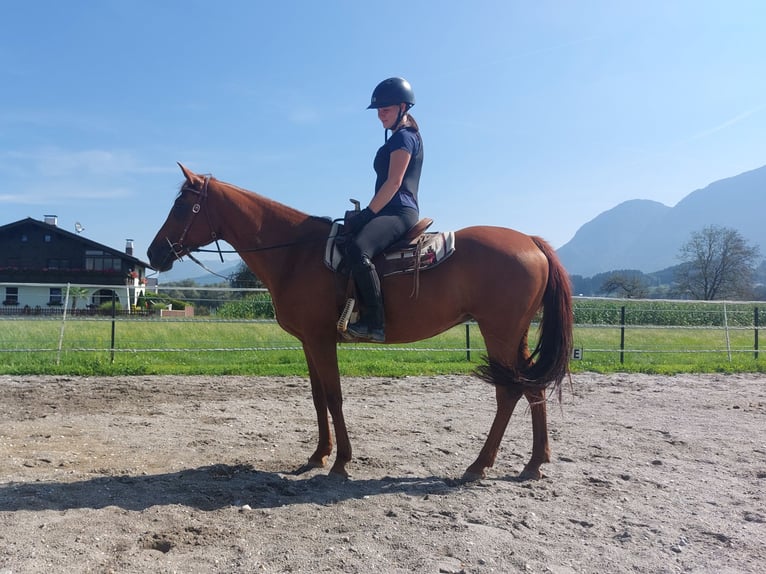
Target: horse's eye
[(180, 208)]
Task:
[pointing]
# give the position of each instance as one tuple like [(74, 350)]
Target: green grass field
[(83, 347)]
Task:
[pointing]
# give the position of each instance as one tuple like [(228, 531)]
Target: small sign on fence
[(577, 353)]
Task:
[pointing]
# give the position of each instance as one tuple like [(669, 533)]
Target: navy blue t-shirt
[(409, 140)]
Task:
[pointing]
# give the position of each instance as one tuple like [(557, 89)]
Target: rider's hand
[(355, 224)]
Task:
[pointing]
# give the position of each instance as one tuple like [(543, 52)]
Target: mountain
[(188, 269), (647, 235)]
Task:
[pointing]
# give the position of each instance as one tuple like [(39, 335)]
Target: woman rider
[(393, 209)]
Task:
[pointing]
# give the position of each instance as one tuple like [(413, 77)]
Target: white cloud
[(57, 194), (53, 162), (52, 176), (56, 162)]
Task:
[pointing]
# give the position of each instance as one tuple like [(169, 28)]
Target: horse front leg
[(324, 446), (322, 358), (506, 401), (541, 451)]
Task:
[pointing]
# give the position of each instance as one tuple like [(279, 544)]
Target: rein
[(265, 248)]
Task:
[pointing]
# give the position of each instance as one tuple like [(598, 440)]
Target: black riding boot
[(371, 326)]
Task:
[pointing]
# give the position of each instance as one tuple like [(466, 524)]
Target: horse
[(497, 277)]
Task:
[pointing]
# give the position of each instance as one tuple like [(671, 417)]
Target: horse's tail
[(549, 362)]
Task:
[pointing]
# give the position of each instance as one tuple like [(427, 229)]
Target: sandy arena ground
[(193, 474)]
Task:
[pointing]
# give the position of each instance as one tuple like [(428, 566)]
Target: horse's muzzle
[(161, 256)]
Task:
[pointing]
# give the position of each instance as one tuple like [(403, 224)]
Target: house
[(40, 263)]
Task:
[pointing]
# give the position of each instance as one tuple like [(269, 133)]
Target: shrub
[(256, 306)]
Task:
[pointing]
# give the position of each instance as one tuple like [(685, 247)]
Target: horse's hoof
[(531, 474), (472, 476), (309, 466), (339, 471)]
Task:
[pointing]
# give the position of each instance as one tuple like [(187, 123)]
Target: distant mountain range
[(647, 235), (189, 270)]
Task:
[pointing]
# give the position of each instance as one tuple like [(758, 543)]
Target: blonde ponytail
[(410, 121)]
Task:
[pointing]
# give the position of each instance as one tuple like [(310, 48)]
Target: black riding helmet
[(392, 92)]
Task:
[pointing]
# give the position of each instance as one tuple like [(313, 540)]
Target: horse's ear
[(190, 176)]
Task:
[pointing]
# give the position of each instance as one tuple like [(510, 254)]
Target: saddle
[(416, 251)]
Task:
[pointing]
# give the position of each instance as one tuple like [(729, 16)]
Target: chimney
[(129, 247), (51, 219)]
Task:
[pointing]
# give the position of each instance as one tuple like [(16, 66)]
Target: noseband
[(178, 248)]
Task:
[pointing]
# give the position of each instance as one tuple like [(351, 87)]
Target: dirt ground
[(193, 474)]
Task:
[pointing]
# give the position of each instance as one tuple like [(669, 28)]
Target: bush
[(156, 301), (256, 306), (106, 308)]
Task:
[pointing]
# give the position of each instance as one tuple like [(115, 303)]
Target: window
[(47, 238), (24, 238), (55, 296), (11, 296), (96, 260)]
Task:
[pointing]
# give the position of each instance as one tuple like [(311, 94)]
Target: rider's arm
[(399, 161)]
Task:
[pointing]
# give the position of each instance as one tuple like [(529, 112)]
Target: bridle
[(178, 248)]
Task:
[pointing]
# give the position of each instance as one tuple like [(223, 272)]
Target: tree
[(628, 285), (717, 263), (244, 278), (76, 293)]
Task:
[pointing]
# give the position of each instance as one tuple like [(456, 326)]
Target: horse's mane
[(322, 219)]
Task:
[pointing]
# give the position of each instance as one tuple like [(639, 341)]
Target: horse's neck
[(265, 233), (256, 221)]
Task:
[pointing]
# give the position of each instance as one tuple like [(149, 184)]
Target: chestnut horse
[(498, 277)]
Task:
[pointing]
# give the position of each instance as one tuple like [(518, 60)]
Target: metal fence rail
[(618, 328)]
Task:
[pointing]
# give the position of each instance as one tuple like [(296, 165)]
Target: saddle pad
[(423, 252), (430, 248)]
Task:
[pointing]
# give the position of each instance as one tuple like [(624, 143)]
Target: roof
[(74, 236)]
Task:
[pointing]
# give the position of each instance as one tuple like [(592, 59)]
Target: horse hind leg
[(506, 398), (508, 391), (541, 452)]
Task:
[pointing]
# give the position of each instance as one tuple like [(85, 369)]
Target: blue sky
[(536, 115)]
